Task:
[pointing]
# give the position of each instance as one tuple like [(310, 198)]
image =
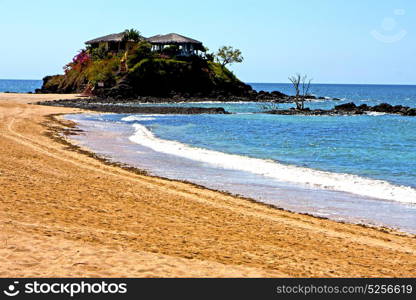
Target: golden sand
[(64, 213)]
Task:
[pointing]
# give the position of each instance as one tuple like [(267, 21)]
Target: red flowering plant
[(79, 61), (164, 56)]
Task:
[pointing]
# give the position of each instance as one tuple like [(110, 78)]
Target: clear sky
[(333, 41)]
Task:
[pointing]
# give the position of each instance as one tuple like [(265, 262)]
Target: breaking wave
[(287, 173)]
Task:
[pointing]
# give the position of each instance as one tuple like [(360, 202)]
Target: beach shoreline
[(53, 196)]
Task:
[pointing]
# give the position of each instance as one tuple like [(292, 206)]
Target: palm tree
[(132, 35)]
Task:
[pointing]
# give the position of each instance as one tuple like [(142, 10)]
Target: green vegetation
[(132, 35), (228, 55), (142, 51), (103, 70)]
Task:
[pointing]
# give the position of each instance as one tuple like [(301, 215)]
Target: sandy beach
[(66, 214)]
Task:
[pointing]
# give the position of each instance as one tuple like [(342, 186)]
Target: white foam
[(374, 113), (286, 173), (137, 118)]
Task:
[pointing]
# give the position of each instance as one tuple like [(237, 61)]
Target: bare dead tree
[(302, 85), (268, 106)]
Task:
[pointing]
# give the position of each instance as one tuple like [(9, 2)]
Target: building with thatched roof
[(186, 46), (112, 42), (116, 42)]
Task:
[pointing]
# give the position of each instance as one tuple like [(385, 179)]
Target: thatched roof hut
[(112, 42), (116, 37), (116, 42), (187, 46), (172, 39)]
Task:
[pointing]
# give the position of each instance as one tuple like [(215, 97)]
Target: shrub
[(52, 83), (142, 51), (160, 76), (99, 53), (221, 73), (103, 70), (79, 62)]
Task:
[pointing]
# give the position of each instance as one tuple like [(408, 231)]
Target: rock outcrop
[(350, 109)]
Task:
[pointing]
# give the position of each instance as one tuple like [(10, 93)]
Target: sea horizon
[(39, 83)]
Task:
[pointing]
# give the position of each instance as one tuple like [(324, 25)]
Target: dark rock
[(383, 107), (411, 112), (363, 107), (346, 107), (110, 105), (50, 85), (278, 94), (397, 108), (403, 110)]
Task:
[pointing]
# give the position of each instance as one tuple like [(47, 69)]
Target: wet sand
[(65, 213)]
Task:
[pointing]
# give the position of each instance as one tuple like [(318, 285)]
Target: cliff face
[(141, 72)]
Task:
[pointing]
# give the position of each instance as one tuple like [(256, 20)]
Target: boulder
[(278, 94), (411, 112), (398, 108), (346, 107), (383, 107), (363, 107)]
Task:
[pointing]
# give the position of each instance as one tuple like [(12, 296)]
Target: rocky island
[(128, 66)]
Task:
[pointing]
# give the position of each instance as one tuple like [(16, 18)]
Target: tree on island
[(132, 35), (302, 84), (228, 55)]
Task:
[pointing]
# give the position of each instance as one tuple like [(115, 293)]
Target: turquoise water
[(377, 147), (380, 147), (19, 86), (373, 146)]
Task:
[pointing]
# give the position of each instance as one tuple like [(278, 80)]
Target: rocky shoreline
[(114, 106), (121, 93), (349, 109), (253, 96), (124, 109)]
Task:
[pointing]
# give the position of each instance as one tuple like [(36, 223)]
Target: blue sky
[(333, 41)]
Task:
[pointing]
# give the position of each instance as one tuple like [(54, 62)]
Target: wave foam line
[(287, 173), (136, 118)]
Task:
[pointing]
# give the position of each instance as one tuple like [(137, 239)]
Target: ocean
[(359, 169), (19, 86)]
